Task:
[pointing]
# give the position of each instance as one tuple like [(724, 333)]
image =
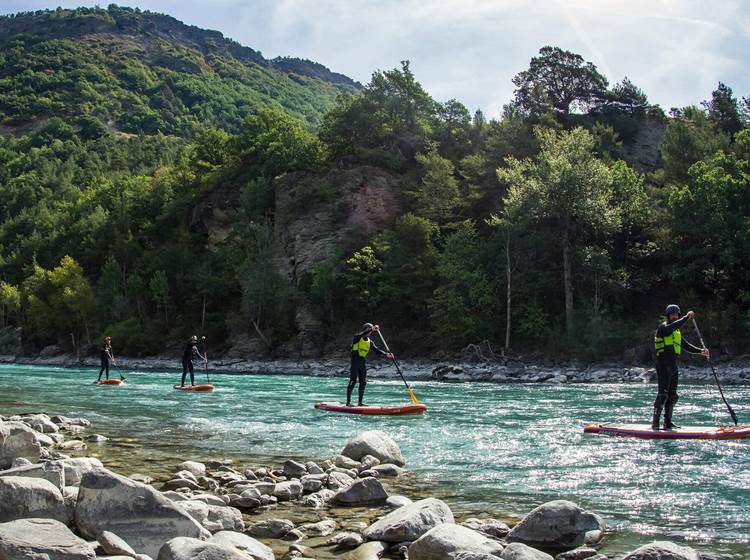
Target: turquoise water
[(496, 449)]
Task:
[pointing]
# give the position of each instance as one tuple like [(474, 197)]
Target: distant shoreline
[(731, 373)]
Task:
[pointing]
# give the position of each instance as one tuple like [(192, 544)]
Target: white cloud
[(675, 50)]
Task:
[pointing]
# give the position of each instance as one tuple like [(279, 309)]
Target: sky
[(675, 50)]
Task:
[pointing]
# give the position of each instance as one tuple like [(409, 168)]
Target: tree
[(159, 286), (10, 302), (559, 81), (437, 195), (462, 306), (723, 110), (109, 288), (362, 277), (565, 189)]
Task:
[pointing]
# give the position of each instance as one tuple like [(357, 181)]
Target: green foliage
[(10, 303), (437, 196), (159, 286), (362, 276)]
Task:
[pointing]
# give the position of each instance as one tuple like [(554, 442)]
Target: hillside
[(141, 72)]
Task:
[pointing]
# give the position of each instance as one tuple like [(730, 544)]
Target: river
[(485, 448)]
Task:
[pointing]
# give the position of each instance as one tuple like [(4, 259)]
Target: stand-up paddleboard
[(195, 388), (108, 382), (374, 410), (644, 431)]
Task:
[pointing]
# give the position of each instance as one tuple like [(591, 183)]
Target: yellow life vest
[(361, 347), (674, 340)]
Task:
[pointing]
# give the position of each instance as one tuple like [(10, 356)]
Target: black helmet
[(672, 308), (367, 327), (193, 338)]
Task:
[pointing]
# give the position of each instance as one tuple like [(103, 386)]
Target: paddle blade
[(414, 398)]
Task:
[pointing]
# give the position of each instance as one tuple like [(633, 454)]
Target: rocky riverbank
[(58, 507), (510, 371)]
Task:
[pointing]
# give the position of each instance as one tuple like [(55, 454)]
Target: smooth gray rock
[(322, 528), (410, 522), (396, 501), (558, 525), (363, 491), (51, 471), (177, 483), (344, 462), (293, 469), (270, 528), (346, 540), (490, 527), (663, 550), (18, 440), (519, 551), (318, 499), (244, 543), (137, 513), (313, 482), (22, 497), (193, 467), (209, 499), (581, 553), (186, 548), (114, 546), (369, 551), (313, 468), (40, 423), (448, 539), (376, 443), (20, 462), (214, 518), (338, 480), (387, 469), (76, 467), (288, 490), (41, 539)]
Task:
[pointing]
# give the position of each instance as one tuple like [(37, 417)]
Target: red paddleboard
[(644, 431), (374, 410), (195, 388), (109, 382)]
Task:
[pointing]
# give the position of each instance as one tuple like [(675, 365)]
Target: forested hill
[(145, 73), (159, 181)]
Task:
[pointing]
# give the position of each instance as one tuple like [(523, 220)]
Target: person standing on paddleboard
[(191, 352), (668, 344), (105, 355), (361, 346)]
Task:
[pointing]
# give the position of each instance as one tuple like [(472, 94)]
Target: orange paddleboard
[(109, 382), (195, 388), (374, 410)]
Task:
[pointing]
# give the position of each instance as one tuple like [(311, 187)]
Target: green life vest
[(674, 340), (361, 347)]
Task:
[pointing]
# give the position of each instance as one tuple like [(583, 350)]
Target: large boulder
[(137, 513), (51, 471), (362, 492), (448, 539), (40, 423), (113, 545), (22, 497), (288, 490), (663, 550), (214, 518), (193, 467), (18, 440), (410, 522), (185, 548), (375, 443), (558, 526), (76, 467), (519, 551), (41, 539), (244, 543)]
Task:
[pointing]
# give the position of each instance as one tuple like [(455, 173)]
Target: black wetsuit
[(191, 351), (358, 371), (105, 354), (667, 374)]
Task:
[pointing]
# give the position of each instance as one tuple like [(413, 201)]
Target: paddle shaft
[(398, 368), (205, 361), (716, 377)]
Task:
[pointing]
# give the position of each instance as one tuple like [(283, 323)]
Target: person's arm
[(669, 328), (377, 348), (691, 348)]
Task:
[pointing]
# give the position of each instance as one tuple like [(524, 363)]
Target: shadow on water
[(496, 450)]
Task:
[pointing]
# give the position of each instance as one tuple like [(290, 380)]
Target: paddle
[(398, 369), (205, 360), (716, 377)]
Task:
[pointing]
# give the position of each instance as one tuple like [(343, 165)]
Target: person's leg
[(662, 379), (350, 386), (106, 365), (184, 373), (672, 398), (362, 385), (192, 372), (101, 370)]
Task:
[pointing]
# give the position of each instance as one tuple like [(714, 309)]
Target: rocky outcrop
[(644, 151), (18, 440), (447, 540), (558, 525), (41, 539), (376, 443), (137, 513), (410, 521)]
